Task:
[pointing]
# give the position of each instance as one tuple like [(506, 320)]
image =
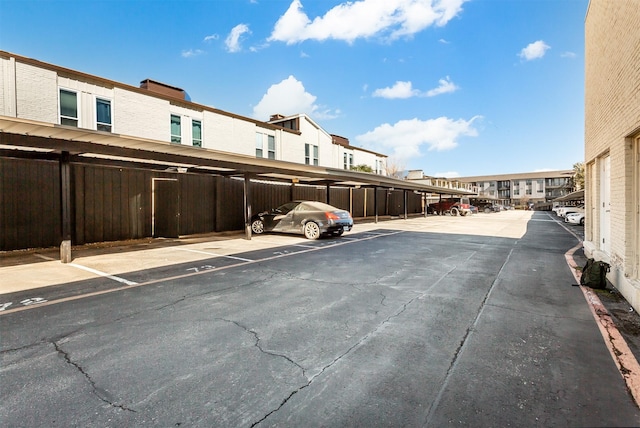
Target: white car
[(575, 218), (563, 211)]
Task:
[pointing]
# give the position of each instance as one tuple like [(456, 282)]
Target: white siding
[(36, 93), (8, 87), (142, 115), (292, 147)]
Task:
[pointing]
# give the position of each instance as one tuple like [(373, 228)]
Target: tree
[(394, 168), (362, 168), (578, 175)]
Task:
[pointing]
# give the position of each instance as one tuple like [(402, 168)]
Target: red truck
[(453, 206)]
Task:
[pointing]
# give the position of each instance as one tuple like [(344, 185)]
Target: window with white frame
[(176, 131), (196, 133), (310, 154), (68, 108), (103, 115), (259, 145), (271, 147)]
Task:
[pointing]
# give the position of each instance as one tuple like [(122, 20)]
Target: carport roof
[(573, 196), (82, 144)]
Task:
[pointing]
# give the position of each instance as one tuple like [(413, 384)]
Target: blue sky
[(450, 87)]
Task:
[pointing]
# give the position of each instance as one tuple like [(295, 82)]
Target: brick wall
[(612, 120), (36, 93)]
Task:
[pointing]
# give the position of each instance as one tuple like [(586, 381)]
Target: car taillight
[(331, 216)]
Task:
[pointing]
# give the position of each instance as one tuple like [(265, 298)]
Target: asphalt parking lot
[(421, 322)]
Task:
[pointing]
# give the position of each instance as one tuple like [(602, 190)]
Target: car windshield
[(286, 207)]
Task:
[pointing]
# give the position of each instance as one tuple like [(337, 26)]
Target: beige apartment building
[(612, 141), (522, 189)]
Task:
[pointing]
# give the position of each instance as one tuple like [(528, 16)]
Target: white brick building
[(612, 141), (34, 90)]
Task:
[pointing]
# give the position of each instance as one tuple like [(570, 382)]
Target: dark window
[(103, 115)]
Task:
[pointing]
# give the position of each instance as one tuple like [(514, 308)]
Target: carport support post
[(65, 207), (375, 203), (424, 204), (247, 206), (406, 216), (328, 194)]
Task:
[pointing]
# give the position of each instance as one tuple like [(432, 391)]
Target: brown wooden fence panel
[(110, 203), (229, 204), (197, 203), (265, 196), (29, 204)]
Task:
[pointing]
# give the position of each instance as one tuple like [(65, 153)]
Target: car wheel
[(454, 212), (311, 230), (582, 221), (487, 210), (257, 227)]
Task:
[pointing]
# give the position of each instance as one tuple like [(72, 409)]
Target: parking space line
[(214, 254), (93, 271), (131, 284), (103, 274)]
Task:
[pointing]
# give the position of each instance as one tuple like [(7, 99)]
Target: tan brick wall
[(612, 119)]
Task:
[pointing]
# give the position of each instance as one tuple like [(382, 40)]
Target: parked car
[(309, 218), (453, 206), (575, 218), (563, 211)]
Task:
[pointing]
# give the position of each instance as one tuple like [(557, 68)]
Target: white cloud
[(191, 53), (363, 19), (446, 86), (211, 37), (568, 54), (233, 39), (406, 137), (290, 97), (405, 90), (399, 90), (534, 50)]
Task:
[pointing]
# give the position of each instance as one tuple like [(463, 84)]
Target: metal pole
[(406, 216), (375, 202), (65, 207), (247, 206)]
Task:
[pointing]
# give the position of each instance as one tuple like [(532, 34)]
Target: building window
[(271, 147), (350, 161), (68, 108), (103, 115), (345, 161), (196, 133), (310, 154), (259, 145), (176, 135)]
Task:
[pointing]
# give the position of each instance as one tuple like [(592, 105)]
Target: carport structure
[(31, 140)]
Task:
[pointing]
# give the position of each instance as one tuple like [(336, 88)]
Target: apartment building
[(522, 188), (43, 92), (612, 141)]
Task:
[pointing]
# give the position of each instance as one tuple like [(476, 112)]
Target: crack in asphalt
[(94, 387), (434, 405), (363, 339)]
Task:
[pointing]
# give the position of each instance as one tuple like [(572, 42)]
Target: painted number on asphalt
[(204, 267), (25, 302)]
